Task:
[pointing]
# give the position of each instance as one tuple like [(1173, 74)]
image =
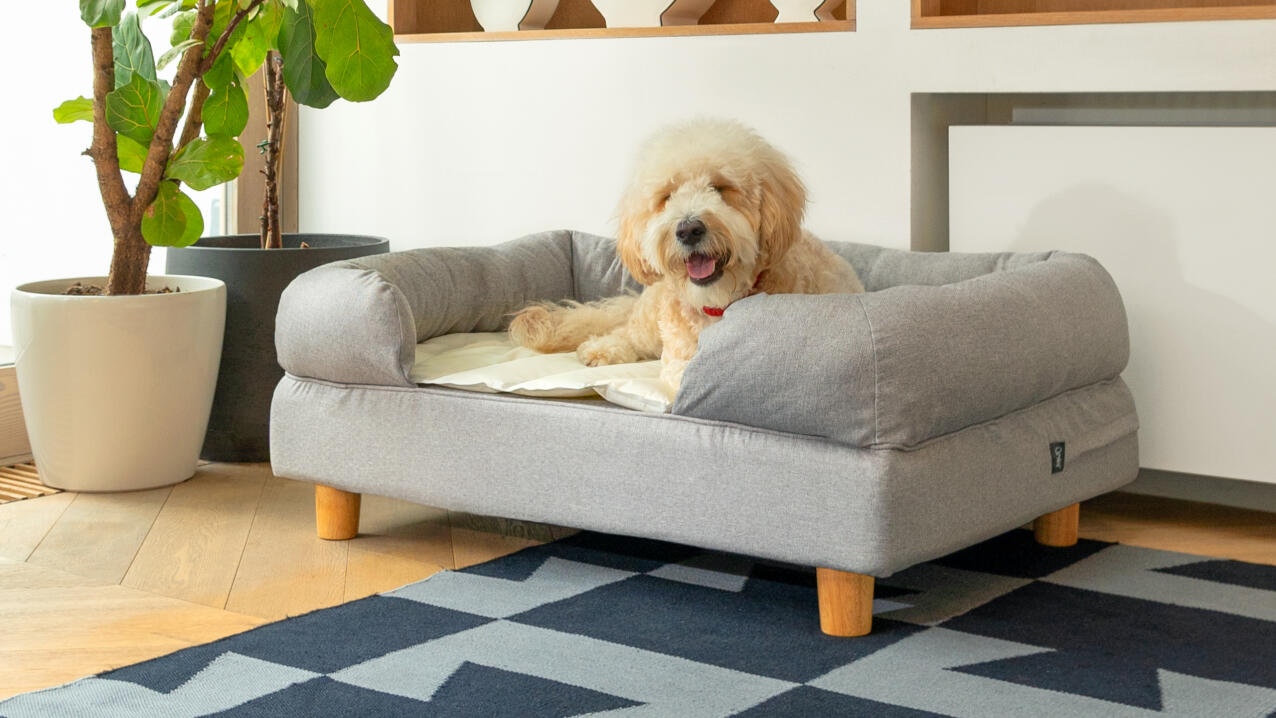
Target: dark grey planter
[(239, 427)]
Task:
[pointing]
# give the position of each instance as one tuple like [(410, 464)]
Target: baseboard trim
[(1205, 489)]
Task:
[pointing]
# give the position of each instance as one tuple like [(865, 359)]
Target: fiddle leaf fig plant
[(319, 50)]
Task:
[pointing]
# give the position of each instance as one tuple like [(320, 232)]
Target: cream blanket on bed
[(490, 362)]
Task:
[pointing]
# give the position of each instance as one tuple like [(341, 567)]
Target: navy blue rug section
[(607, 625)]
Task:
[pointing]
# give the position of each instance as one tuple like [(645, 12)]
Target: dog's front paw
[(671, 371), (606, 350)]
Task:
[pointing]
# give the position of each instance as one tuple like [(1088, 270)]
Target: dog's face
[(710, 207)]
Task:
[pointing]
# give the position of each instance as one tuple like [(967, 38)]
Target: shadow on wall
[(1199, 359)]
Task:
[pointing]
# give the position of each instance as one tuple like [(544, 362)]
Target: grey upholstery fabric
[(451, 290), (898, 366), (881, 267), (345, 323), (596, 270), (358, 321), (706, 483), (859, 432)]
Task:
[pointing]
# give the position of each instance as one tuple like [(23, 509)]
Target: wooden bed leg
[(336, 513), (846, 602), (1058, 528)]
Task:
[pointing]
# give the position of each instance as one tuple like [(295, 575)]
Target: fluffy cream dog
[(713, 214)]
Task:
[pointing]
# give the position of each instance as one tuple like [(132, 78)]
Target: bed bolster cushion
[(347, 324), (457, 290), (897, 367), (359, 321)]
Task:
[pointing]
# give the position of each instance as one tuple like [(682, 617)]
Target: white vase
[(510, 15), (116, 391), (651, 13), (805, 10)]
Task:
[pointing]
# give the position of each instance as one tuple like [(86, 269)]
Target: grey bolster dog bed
[(962, 396)]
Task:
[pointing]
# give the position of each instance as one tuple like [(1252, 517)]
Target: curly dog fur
[(713, 214)]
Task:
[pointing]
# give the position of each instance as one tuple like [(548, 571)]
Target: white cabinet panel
[(1185, 220)]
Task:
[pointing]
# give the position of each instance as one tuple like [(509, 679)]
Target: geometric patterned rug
[(606, 625)]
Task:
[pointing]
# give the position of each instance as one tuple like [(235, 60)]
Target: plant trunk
[(273, 148), (129, 261)]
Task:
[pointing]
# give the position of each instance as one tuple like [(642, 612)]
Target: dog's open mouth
[(703, 269)]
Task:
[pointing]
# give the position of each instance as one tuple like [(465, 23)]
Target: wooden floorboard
[(368, 572), (58, 627), (285, 569), (235, 537), (24, 524), (99, 534), (192, 551), (1186, 526), (405, 530)]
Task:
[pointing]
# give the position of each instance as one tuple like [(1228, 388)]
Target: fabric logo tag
[(1056, 457)]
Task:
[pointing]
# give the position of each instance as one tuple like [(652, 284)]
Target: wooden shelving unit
[(1006, 13), (453, 21)]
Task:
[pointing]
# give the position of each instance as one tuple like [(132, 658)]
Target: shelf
[(453, 21), (931, 14)]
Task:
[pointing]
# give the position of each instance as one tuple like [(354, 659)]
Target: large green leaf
[(194, 220), (357, 47), (303, 70), (259, 37), (175, 51), (81, 108), (221, 73), (183, 24), (173, 219), (164, 222), (207, 162), (101, 13), (132, 154), (134, 109), (133, 54), (226, 111)]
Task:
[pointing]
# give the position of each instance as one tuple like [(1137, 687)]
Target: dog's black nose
[(690, 232)]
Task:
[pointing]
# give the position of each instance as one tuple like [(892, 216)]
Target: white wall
[(479, 142), (1184, 220)]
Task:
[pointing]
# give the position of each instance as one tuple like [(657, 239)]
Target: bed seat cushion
[(491, 362)]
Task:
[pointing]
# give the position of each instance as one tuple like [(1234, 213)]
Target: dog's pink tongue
[(700, 266)]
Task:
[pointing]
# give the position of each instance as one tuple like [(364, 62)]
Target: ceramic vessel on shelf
[(510, 15), (805, 10), (651, 13)]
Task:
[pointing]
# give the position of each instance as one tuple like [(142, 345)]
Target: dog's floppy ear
[(629, 242), (783, 205)]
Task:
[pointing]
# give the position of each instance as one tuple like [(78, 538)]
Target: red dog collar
[(718, 311)]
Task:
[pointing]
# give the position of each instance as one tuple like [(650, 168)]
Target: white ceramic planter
[(510, 15), (805, 10), (651, 13), (116, 391)]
